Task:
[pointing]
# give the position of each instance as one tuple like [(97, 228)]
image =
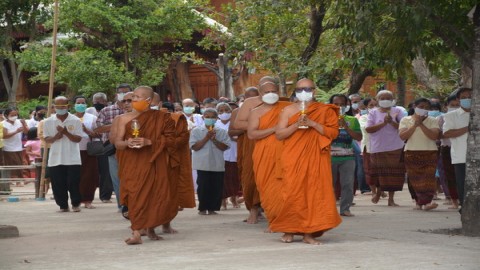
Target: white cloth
[(365, 144), (455, 120), (14, 143), (194, 120), (31, 123), (63, 151), (92, 110), (444, 141), (209, 157), (230, 154), (90, 122)]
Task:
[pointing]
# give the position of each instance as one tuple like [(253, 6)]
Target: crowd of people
[(288, 158)]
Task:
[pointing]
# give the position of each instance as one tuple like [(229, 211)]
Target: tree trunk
[(423, 74), (401, 90), (466, 80), (357, 79), (471, 204), (317, 14), (221, 76), (183, 81)]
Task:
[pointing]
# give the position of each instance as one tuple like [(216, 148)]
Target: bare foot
[(430, 206), (268, 231), (376, 198), (180, 208), (240, 200), (287, 238), (417, 207), (234, 202), (212, 212), (253, 217), (392, 203), (136, 239), (308, 238), (384, 195), (202, 213), (347, 214), (152, 235), (143, 232), (224, 204), (89, 205), (167, 228)]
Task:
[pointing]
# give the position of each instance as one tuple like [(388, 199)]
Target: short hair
[(347, 100), (223, 104), (74, 100), (32, 134), (421, 100), (8, 111), (124, 85), (40, 107), (211, 110), (382, 92), (354, 95), (451, 98), (435, 105), (251, 89), (366, 101), (169, 106), (209, 100), (99, 95), (461, 90)]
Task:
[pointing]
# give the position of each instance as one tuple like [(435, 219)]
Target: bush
[(25, 106)]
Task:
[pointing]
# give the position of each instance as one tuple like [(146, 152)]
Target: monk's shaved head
[(305, 83), (251, 91), (144, 92), (156, 99), (60, 100)]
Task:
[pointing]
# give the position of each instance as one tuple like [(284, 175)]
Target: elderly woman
[(421, 132), (387, 170)]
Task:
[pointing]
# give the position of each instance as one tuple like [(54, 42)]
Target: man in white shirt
[(99, 101), (63, 130), (455, 128)]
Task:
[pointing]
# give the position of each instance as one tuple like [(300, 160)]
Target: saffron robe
[(267, 163), (307, 191), (181, 163), (247, 178), (146, 188)]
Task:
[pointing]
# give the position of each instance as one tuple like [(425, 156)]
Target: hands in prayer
[(138, 142)]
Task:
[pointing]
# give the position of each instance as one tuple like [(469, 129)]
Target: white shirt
[(209, 157), (63, 151), (90, 122), (14, 143), (194, 120), (455, 120), (365, 143), (31, 123), (92, 110), (230, 154)]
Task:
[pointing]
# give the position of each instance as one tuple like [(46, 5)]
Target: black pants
[(105, 185), (460, 174), (65, 179), (210, 190)]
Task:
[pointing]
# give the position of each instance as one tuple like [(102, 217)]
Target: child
[(32, 146), (208, 144)]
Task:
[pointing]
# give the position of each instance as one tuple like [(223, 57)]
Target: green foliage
[(25, 106)]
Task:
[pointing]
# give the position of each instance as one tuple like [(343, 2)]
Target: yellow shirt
[(419, 141)]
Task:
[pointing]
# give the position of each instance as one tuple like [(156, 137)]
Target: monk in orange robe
[(266, 164), (146, 188), (308, 198)]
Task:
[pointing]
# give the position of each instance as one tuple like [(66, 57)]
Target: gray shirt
[(209, 158)]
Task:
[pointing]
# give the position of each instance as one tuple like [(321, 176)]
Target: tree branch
[(317, 15)]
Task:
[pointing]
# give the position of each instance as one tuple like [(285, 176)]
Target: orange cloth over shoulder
[(147, 190), (249, 187), (307, 191), (267, 165), (181, 163)]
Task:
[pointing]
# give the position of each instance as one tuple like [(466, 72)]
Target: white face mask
[(304, 96), (421, 112), (451, 109), (385, 103), (224, 116), (154, 107), (13, 118), (270, 98), (120, 96), (355, 106), (344, 110)]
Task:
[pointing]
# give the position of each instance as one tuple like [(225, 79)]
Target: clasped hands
[(138, 142), (303, 120)]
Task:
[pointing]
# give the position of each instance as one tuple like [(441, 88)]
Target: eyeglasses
[(306, 89), (126, 101)]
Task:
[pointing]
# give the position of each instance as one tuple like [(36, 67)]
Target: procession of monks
[(283, 162)]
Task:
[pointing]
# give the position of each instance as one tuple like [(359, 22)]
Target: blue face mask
[(188, 110), (202, 110), (434, 113), (363, 112), (61, 111), (466, 103), (210, 121), (80, 108)]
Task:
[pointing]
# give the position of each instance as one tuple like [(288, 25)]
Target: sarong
[(366, 168), (231, 184), (448, 172), (387, 170), (89, 177), (421, 166)]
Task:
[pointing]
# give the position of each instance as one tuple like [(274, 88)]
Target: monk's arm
[(241, 121), (182, 135), (253, 132), (113, 131), (231, 131), (283, 130), (119, 134)]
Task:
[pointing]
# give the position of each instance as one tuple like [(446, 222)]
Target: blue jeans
[(113, 168)]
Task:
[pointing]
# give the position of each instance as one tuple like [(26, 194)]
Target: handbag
[(98, 148)]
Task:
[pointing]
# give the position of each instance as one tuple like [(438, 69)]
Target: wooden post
[(50, 95)]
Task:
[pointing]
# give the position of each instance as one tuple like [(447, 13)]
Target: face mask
[(304, 96), (61, 111), (344, 110), (210, 121), (466, 103), (13, 118), (225, 116), (434, 113), (385, 103), (363, 112), (421, 112), (202, 110), (120, 96), (270, 98), (154, 108), (98, 106), (80, 108), (188, 110), (141, 105), (451, 109), (355, 106)]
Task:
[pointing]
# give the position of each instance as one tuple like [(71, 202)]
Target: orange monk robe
[(249, 187), (240, 156), (308, 197), (145, 186), (267, 165), (181, 163)]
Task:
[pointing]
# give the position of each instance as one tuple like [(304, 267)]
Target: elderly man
[(99, 101), (146, 188), (307, 180), (63, 131), (193, 119)]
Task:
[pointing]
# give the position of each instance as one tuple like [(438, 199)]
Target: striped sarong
[(387, 170), (448, 172), (421, 166)]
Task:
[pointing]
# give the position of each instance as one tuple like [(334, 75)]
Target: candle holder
[(303, 115)]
